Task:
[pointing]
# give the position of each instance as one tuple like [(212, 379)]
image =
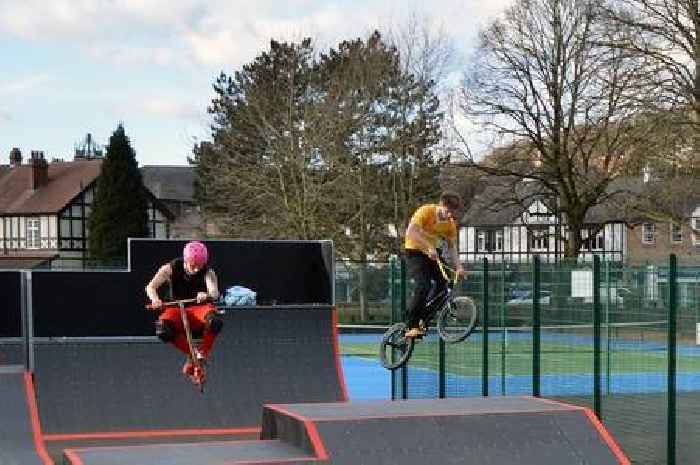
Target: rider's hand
[(157, 303), (432, 253), (460, 272), (202, 297)]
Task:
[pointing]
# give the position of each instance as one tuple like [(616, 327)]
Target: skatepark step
[(230, 452)]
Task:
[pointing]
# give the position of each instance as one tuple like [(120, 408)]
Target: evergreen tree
[(119, 210)]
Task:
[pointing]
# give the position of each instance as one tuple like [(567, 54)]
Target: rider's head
[(195, 256), (452, 202)]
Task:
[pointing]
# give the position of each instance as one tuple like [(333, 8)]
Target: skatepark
[(84, 381)]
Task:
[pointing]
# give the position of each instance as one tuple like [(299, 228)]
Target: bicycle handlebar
[(173, 303)]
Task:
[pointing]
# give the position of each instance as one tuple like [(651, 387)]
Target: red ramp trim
[(72, 457), (607, 437), (602, 430), (336, 354), (34, 416), (151, 434), (316, 441)]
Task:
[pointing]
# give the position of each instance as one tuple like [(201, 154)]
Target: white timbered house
[(44, 211)]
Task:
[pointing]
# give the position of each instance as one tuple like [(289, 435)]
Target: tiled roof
[(170, 182), (66, 180), (503, 202)]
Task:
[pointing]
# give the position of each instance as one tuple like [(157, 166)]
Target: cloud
[(23, 85), (217, 32), (170, 107), (89, 19), (5, 117), (134, 56)]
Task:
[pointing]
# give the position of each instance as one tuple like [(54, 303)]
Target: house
[(174, 187), (44, 211), (514, 232)]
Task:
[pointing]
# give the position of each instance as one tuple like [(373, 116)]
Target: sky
[(72, 67)]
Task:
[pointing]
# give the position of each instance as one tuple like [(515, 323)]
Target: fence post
[(485, 331), (24, 313), (597, 372), (31, 362), (404, 369), (394, 306), (536, 326), (672, 319), (441, 368)]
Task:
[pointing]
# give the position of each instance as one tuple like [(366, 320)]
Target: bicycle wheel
[(395, 348), (457, 319)]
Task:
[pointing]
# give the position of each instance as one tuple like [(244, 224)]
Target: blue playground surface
[(367, 379)]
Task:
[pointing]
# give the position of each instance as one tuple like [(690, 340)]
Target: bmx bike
[(455, 320)]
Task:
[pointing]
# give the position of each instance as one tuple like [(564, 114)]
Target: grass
[(465, 359)]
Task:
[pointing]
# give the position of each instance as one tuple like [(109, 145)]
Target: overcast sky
[(69, 67)]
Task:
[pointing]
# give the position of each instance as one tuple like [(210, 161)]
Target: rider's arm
[(212, 285), (454, 256), (415, 233), (161, 277)]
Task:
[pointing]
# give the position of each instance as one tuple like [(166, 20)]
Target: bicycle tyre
[(395, 343), (457, 319)]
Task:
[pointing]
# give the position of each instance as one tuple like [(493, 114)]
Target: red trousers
[(197, 318)]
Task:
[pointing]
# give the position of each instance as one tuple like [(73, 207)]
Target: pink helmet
[(196, 253)]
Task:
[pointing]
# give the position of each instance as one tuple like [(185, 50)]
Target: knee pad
[(165, 331), (214, 323)]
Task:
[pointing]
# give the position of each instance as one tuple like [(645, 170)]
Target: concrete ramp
[(473, 431), (115, 387), (20, 434)]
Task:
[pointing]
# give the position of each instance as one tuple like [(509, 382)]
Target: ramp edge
[(34, 417)]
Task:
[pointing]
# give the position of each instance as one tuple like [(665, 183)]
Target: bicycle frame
[(439, 300)]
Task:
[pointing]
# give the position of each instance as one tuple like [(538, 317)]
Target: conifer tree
[(119, 210)]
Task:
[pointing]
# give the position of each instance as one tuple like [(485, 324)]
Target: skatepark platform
[(130, 390), (483, 431)]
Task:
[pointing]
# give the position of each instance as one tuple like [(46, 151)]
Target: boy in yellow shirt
[(429, 224)]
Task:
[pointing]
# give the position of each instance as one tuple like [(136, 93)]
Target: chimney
[(40, 170), (15, 157)]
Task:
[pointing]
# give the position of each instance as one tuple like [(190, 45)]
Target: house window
[(648, 233), (499, 241), (538, 240), (489, 241), (33, 233), (594, 243), (676, 234), (482, 241)]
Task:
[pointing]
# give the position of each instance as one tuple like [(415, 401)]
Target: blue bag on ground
[(239, 295)]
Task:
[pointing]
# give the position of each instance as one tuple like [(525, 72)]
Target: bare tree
[(665, 32), (561, 104), (426, 53)]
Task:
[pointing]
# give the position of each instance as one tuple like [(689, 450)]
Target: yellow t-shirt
[(433, 229)]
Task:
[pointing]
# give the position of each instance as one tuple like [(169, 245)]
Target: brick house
[(516, 232), (44, 211)]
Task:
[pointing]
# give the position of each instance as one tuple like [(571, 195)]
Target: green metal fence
[(620, 340)]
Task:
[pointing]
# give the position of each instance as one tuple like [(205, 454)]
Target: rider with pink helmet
[(190, 278), (195, 253)]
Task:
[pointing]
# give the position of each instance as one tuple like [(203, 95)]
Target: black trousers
[(426, 274)]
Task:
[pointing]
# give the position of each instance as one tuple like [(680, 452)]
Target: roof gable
[(66, 180), (170, 182)]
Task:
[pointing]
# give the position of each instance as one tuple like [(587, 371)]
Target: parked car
[(526, 298)]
